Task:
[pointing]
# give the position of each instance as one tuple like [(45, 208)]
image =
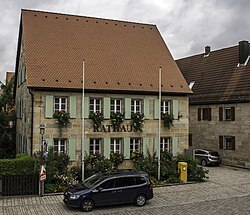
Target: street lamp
[(41, 187), (42, 131)]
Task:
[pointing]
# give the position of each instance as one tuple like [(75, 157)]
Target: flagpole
[(159, 128), (83, 144)]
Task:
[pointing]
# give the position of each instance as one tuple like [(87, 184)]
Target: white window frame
[(166, 106), (228, 109), (135, 145), (165, 144), (59, 145), (95, 143), (136, 106), (60, 103), (227, 145), (115, 108), (94, 107), (116, 145)]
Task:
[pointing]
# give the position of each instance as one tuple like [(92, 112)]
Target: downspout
[(32, 116)]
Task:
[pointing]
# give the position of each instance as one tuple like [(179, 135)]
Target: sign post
[(42, 178)]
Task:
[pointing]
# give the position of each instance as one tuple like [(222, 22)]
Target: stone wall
[(205, 134)]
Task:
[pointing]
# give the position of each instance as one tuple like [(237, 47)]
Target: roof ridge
[(202, 54), (88, 17)]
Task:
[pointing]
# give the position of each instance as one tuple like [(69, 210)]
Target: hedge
[(21, 165)]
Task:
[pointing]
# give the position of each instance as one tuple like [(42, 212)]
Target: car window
[(140, 180), (92, 181), (110, 183), (214, 153), (125, 181)]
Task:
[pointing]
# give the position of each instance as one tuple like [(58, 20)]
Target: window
[(125, 182), (136, 106), (227, 142), (165, 107), (165, 144), (95, 146), (227, 113), (135, 145), (116, 105), (116, 145), (60, 104), (95, 105), (204, 114), (60, 145)]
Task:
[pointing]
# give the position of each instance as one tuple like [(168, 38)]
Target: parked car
[(207, 157), (110, 188)]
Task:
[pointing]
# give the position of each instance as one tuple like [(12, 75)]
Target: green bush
[(195, 172), (169, 167), (21, 165)]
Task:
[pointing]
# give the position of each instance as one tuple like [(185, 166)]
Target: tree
[(7, 120)]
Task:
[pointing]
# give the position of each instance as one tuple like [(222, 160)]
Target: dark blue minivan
[(109, 189)]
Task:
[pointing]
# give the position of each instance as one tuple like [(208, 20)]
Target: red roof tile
[(217, 77), (118, 55)]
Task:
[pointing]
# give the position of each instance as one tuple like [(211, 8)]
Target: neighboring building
[(219, 110), (122, 61), (9, 75)]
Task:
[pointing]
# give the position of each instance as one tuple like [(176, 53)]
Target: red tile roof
[(118, 55), (217, 77)]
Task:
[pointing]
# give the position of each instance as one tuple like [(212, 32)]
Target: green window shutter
[(174, 145), (175, 109), (106, 147), (145, 146), (106, 106), (72, 149), (49, 109), (156, 109), (146, 107), (126, 150), (72, 108), (86, 146), (127, 108), (156, 146), (50, 143), (86, 108)]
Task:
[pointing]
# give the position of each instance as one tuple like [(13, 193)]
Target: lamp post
[(42, 131), (41, 187)]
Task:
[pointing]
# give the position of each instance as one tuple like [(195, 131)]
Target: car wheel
[(140, 200), (203, 162), (87, 205)]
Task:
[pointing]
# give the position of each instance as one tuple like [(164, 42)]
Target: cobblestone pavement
[(226, 192)]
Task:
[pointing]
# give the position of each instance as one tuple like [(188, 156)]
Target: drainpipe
[(32, 116)]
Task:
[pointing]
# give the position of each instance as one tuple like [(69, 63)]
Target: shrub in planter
[(97, 118), (137, 120), (116, 120)]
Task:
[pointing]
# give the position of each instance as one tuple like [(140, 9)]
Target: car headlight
[(74, 197)]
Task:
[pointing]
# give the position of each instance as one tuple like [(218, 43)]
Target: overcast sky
[(187, 26)]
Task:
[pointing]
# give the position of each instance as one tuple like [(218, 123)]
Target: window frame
[(115, 105), (65, 140), (224, 144), (165, 141), (93, 107), (114, 144), (136, 104), (135, 145), (96, 141), (166, 106), (60, 103)]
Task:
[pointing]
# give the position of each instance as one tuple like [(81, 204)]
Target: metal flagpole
[(83, 144), (159, 128)]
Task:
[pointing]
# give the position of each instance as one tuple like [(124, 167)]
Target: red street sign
[(42, 174)]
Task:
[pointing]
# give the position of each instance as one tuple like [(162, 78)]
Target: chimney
[(207, 50), (243, 51)]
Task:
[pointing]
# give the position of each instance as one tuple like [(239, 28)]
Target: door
[(105, 193)]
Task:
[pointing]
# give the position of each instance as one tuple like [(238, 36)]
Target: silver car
[(207, 157)]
